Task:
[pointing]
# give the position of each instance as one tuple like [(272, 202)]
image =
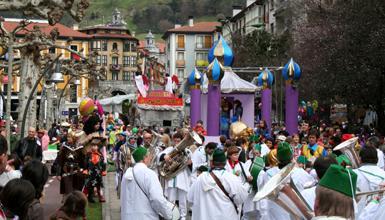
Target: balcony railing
[(116, 67), (180, 63)]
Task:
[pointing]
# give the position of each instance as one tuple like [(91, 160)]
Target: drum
[(256, 167)]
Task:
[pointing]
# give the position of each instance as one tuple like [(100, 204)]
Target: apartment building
[(117, 53), (187, 47)]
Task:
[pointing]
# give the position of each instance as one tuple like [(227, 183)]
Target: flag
[(74, 56)]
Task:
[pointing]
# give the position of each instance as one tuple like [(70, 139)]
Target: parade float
[(219, 97)]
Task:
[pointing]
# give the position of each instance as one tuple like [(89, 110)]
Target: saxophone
[(179, 156)]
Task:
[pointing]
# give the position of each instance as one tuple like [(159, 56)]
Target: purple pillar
[(195, 106), (213, 110), (291, 106), (266, 106)]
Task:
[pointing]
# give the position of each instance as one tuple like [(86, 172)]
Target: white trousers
[(174, 194)]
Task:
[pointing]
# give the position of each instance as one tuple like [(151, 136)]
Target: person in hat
[(321, 164), (205, 193), (236, 167), (335, 199), (70, 161), (95, 169), (302, 161), (255, 166), (141, 192)]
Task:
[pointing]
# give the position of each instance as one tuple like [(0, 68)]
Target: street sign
[(64, 113)]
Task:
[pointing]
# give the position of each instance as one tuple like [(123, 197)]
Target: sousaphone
[(348, 148), (282, 191)]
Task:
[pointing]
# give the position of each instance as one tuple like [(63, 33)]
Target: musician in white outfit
[(271, 210), (177, 187), (236, 167), (375, 142), (255, 166), (201, 157), (321, 164), (141, 192), (209, 201), (370, 176), (335, 194)]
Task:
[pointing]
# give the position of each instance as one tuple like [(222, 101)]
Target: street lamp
[(57, 76)]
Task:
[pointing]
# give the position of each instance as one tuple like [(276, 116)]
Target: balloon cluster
[(89, 107)]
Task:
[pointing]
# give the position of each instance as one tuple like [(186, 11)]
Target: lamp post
[(56, 77)]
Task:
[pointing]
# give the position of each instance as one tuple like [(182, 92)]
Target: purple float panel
[(195, 106), (291, 106), (213, 110), (266, 106)]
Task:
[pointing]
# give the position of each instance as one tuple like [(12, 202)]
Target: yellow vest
[(306, 151)]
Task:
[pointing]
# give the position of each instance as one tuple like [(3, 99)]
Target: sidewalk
[(111, 208)]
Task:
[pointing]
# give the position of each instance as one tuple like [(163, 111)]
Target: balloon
[(86, 107)]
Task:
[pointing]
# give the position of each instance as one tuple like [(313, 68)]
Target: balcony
[(180, 63), (115, 67), (201, 63), (201, 46)]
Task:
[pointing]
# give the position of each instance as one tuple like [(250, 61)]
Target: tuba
[(154, 150), (348, 148), (178, 156), (282, 191)]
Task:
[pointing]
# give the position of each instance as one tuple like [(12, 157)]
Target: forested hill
[(158, 15)]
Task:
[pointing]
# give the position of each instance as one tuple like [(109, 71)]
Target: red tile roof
[(64, 31), (200, 27)]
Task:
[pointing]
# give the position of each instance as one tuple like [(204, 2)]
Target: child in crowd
[(74, 207), (95, 168)]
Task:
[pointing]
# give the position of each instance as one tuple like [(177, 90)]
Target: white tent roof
[(231, 82), (117, 100)]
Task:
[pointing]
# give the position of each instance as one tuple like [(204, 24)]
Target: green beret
[(135, 130), (139, 153), (302, 159), (219, 156), (254, 138), (284, 152), (257, 147), (343, 159), (340, 179)]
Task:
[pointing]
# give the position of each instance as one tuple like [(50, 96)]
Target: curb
[(106, 209)]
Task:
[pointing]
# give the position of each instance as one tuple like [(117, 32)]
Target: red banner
[(159, 98)]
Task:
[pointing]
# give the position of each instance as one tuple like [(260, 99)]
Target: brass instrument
[(281, 189), (236, 129), (154, 149), (179, 156), (348, 148)]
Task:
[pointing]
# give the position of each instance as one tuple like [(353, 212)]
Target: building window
[(115, 61), (95, 45), (74, 47), (73, 94), (114, 75), (126, 76), (98, 60), (126, 61), (133, 61), (104, 60), (180, 73), (203, 41), (126, 46), (52, 50), (180, 56), (114, 46), (105, 45), (201, 59), (180, 41), (133, 46)]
